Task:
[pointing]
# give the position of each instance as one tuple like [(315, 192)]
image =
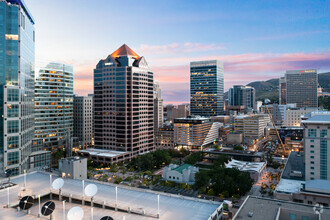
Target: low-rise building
[(234, 138), (293, 116), (258, 208), (73, 167), (251, 126), (256, 169), (224, 119), (164, 137), (195, 132), (184, 173)]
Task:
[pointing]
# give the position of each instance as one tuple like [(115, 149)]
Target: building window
[(312, 168), (12, 127), (12, 95), (312, 151), (312, 157), (305, 218), (13, 158), (12, 142), (323, 133), (312, 141), (312, 146), (312, 162), (312, 173), (293, 217), (323, 159), (311, 132)]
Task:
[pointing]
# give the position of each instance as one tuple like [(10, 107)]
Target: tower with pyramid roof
[(123, 97)]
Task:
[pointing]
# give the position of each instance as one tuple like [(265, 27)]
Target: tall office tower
[(316, 145), (282, 91), (242, 96), (301, 87), (124, 104), (158, 107), (206, 88), (83, 120), (17, 85), (54, 105)]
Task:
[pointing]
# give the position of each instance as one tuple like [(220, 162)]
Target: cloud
[(179, 48), (238, 69)]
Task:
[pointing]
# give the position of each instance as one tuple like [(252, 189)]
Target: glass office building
[(17, 85), (206, 88), (54, 105), (242, 96)]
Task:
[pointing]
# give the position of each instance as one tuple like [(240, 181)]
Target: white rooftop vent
[(250, 214)]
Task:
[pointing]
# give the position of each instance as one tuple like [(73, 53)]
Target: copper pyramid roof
[(124, 50)]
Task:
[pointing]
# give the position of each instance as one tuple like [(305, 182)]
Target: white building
[(293, 116), (255, 169), (316, 145), (158, 108), (83, 120), (184, 173)]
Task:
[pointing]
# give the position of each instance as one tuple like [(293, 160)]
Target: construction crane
[(278, 135)]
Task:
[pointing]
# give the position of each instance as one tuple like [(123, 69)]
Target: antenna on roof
[(90, 191), (75, 213), (58, 184), (26, 203), (48, 208)]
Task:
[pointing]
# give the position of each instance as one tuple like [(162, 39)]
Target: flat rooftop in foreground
[(257, 208), (138, 200)]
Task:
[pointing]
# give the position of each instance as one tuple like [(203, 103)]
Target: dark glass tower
[(17, 85), (123, 103), (206, 88)]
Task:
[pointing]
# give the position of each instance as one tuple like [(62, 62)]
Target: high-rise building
[(206, 88), (176, 111), (301, 87), (83, 120), (316, 145), (158, 107), (54, 105), (124, 103), (17, 85), (282, 91), (242, 96)]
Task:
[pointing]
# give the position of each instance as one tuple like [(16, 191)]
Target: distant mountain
[(269, 89)]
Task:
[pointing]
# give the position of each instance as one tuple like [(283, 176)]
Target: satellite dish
[(90, 190), (106, 218), (8, 173), (48, 208), (26, 202), (75, 213), (58, 183)]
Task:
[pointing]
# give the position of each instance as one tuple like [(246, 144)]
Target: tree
[(220, 161), (238, 147), (202, 178), (194, 158)]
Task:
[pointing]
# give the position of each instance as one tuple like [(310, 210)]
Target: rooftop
[(295, 167), (138, 200), (182, 167), (102, 152), (262, 208), (318, 186), (124, 50), (246, 166), (288, 186), (317, 117)]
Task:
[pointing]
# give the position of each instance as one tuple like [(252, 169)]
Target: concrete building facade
[(184, 173), (83, 120), (124, 103), (195, 131), (54, 105), (316, 145), (301, 87)]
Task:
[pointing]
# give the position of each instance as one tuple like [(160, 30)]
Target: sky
[(256, 40)]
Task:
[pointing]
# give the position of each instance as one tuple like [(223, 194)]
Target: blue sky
[(257, 40)]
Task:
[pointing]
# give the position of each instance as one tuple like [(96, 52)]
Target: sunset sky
[(256, 40)]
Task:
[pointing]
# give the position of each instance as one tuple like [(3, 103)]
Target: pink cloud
[(182, 48), (238, 69)]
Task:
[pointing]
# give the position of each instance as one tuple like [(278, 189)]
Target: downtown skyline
[(255, 41)]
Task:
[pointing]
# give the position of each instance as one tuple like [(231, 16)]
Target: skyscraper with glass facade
[(124, 104), (242, 96), (17, 85), (54, 105), (206, 88)]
